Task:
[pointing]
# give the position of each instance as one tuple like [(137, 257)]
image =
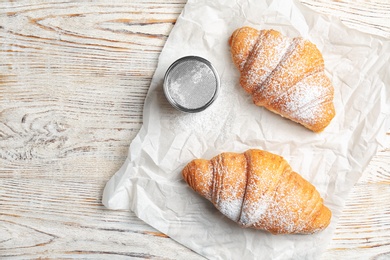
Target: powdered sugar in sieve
[(191, 84)]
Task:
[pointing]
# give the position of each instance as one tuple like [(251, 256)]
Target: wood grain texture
[(73, 79)]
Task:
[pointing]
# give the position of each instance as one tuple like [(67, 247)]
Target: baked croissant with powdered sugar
[(285, 75), (258, 189)]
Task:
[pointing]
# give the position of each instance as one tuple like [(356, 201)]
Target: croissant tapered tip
[(322, 220), (198, 174)]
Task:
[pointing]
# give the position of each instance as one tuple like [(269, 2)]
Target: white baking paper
[(150, 183)]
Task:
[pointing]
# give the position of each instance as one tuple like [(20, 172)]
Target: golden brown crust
[(242, 42), (258, 189), (285, 75), (198, 174)]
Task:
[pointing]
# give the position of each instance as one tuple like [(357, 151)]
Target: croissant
[(258, 189), (285, 75)]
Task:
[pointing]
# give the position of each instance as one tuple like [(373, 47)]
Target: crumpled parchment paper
[(150, 183)]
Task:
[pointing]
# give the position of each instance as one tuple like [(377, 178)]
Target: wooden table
[(73, 79)]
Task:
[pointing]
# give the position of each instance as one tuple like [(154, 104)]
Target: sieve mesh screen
[(191, 84)]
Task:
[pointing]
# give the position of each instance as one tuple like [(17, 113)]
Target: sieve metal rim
[(179, 61)]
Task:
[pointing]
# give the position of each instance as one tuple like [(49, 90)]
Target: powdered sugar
[(230, 208), (254, 212), (264, 58), (275, 73), (191, 84), (229, 184), (303, 103), (250, 42), (216, 122), (260, 195), (277, 210)]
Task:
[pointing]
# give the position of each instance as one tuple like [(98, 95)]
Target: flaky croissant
[(258, 189), (285, 75)]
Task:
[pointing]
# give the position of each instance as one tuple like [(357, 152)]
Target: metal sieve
[(191, 84)]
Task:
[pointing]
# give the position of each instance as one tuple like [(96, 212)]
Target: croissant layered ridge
[(285, 75), (258, 189)]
